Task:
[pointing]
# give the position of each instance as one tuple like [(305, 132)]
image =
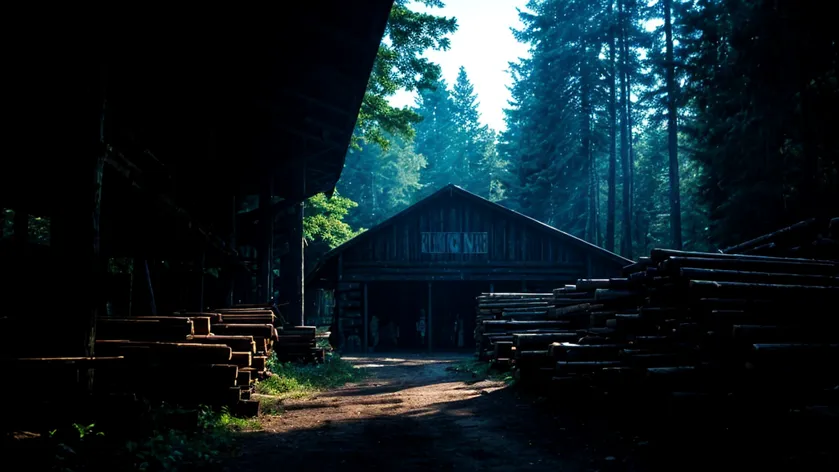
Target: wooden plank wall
[(510, 242)]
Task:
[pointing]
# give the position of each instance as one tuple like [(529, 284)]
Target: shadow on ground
[(413, 414)]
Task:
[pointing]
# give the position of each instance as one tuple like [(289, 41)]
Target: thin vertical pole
[(430, 326), (365, 319), (202, 263), (151, 289)]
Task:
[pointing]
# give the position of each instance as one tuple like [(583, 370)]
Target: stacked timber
[(289, 343), (685, 326), (180, 359), (503, 317), (812, 239), (687, 330)]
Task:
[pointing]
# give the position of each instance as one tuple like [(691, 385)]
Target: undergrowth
[(481, 370), (296, 381), (166, 438)]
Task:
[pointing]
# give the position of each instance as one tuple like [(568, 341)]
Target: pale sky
[(484, 45)]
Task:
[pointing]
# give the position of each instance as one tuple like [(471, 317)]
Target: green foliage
[(38, 227), (481, 370), (8, 224), (381, 181), (291, 380), (167, 439), (458, 148), (323, 219), (401, 66)]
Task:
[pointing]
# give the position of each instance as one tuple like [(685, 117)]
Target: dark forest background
[(634, 124)]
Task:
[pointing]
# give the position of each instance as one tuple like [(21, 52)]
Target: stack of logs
[(189, 359), (811, 239), (680, 326)]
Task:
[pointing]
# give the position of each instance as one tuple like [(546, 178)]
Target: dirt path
[(410, 414)]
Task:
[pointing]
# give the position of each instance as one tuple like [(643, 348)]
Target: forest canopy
[(633, 124)]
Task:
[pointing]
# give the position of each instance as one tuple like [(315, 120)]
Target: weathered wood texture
[(454, 235)]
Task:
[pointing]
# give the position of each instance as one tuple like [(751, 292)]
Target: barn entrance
[(398, 306)]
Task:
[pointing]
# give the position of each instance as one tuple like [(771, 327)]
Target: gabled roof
[(452, 189)]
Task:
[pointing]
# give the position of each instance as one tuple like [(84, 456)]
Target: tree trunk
[(626, 226), (609, 243), (672, 137), (587, 155)]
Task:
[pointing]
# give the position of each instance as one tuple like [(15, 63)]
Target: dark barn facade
[(432, 260)]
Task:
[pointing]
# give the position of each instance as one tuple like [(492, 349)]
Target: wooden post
[(231, 289), (366, 325), (338, 313), (491, 288), (296, 309), (266, 256), (201, 263), (430, 326)]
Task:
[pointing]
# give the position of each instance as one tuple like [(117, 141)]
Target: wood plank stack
[(290, 343), (167, 358)]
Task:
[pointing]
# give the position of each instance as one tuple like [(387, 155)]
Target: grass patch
[(481, 370), (233, 423), (297, 381)]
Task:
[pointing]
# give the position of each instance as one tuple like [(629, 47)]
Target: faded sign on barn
[(455, 243)]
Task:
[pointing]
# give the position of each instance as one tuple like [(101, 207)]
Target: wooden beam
[(366, 328), (430, 323), (558, 278), (266, 247)]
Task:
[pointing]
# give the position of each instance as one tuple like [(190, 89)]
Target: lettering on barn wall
[(454, 243)]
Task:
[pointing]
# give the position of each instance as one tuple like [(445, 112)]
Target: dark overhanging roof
[(273, 92), (452, 189)]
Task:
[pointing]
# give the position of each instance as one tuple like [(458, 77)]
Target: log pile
[(812, 239), (504, 317), (290, 343), (188, 359), (681, 328)]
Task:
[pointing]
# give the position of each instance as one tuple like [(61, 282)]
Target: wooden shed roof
[(453, 190)]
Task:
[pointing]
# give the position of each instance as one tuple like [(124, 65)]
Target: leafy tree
[(323, 220), (400, 66)]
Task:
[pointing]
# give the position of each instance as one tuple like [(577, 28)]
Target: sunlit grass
[(291, 381), (481, 370)]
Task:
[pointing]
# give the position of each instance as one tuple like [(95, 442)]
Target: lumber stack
[(502, 317), (684, 329), (289, 343), (184, 359), (685, 326), (813, 239)]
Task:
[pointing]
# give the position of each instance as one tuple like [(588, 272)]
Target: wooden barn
[(432, 259)]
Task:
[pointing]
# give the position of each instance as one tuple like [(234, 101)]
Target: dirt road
[(410, 414)]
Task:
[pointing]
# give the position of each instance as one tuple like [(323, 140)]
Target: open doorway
[(397, 307)]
